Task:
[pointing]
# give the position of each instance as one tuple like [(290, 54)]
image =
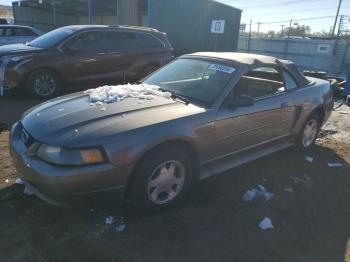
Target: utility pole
[(336, 19), (250, 34), (282, 27), (340, 26), (259, 23), (287, 42)]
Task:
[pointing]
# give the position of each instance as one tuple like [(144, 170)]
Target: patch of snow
[(109, 220), (27, 191), (121, 225), (309, 159), (266, 223), (335, 164), (110, 94), (19, 181), (250, 195), (60, 109), (289, 189)]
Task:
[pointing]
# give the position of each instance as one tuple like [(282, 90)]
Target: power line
[(302, 19), (278, 4), (302, 11)]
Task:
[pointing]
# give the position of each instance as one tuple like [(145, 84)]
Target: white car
[(13, 34)]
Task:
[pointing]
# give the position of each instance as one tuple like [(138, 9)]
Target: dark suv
[(75, 55)]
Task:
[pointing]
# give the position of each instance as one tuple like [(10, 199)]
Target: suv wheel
[(43, 84), (162, 179), (309, 132)]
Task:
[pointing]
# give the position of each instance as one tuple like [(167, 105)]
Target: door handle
[(284, 104)]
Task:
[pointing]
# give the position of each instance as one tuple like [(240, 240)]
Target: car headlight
[(21, 58), (64, 156)]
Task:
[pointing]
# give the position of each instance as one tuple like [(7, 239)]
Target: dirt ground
[(309, 211)]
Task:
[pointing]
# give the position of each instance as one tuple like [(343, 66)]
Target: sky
[(265, 11)]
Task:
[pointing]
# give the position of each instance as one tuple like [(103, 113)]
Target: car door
[(120, 48), (83, 57), (269, 119)]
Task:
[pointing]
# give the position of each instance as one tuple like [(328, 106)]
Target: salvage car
[(196, 117), (70, 56), (13, 34)]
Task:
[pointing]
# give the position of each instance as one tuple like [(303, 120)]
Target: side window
[(86, 42), (260, 82), (23, 32), (289, 81), (147, 41), (119, 41), (2, 31)]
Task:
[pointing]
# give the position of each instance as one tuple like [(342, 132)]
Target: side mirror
[(242, 100)]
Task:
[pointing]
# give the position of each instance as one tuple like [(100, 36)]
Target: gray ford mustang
[(224, 110)]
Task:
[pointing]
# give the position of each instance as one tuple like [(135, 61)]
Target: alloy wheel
[(44, 85), (166, 182)]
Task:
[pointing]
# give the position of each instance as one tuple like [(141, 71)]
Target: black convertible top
[(254, 61)]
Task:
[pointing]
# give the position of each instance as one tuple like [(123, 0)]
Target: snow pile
[(309, 159), (265, 224), (110, 94), (260, 191), (119, 222)]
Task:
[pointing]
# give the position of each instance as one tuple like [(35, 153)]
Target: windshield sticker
[(222, 68)]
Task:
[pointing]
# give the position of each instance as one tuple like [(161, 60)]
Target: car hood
[(73, 121), (15, 49)]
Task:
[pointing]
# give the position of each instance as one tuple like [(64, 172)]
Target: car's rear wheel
[(309, 132), (162, 179), (43, 84)]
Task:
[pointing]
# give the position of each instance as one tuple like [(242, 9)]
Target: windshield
[(51, 38), (197, 80)]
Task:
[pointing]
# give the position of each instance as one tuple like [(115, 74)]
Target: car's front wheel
[(162, 179), (43, 84), (309, 132)]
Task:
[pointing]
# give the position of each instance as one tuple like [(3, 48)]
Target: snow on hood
[(110, 94)]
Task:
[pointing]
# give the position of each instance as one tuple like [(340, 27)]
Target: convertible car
[(196, 117)]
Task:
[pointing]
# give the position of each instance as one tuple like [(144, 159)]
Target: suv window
[(289, 81), (147, 41), (120, 41), (260, 82), (86, 42), (23, 32)]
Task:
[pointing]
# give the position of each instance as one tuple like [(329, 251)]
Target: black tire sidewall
[(299, 144), (139, 184), (30, 83)]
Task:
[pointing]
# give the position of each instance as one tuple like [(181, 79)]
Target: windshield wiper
[(174, 95)]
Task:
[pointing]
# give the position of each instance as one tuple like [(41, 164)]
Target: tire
[(153, 179), (313, 124), (43, 84)]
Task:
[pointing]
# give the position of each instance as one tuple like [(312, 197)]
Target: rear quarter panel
[(317, 95)]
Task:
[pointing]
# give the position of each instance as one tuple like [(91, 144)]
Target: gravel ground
[(309, 211)]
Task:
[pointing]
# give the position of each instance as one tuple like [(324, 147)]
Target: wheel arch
[(42, 68), (320, 111), (187, 146)]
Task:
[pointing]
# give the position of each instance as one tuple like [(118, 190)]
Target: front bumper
[(63, 185)]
